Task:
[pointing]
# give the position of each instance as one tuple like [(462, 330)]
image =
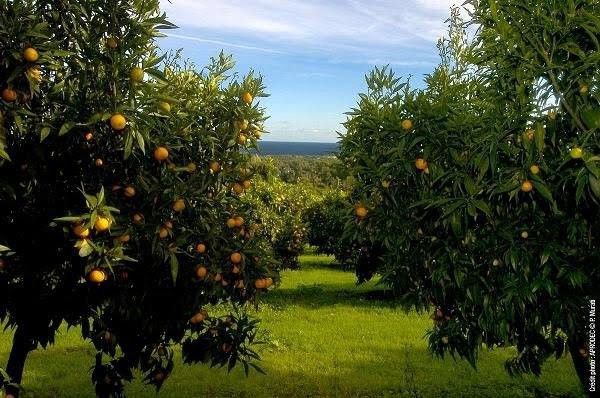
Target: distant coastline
[(297, 148)]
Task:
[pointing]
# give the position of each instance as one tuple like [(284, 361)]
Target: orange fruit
[(535, 169), (268, 282), (30, 54), (361, 211), (168, 224), (200, 248), (163, 233), (421, 164), (235, 269), (240, 284), (407, 124), (584, 88), (260, 283), (247, 98), (218, 277), (96, 276), (99, 162), (179, 205), (215, 167), (576, 153), (242, 139), (124, 238), (199, 317), (201, 272), (102, 224), (136, 74), (191, 167), (527, 186), (138, 218), (238, 188), (80, 231), (247, 184), (235, 258), (118, 122), (9, 95), (524, 234), (445, 339), (111, 42), (129, 192), (161, 153), (88, 136), (239, 221)]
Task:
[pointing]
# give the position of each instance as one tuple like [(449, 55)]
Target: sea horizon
[(297, 148)]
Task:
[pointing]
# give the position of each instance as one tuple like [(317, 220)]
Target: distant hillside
[(297, 148)]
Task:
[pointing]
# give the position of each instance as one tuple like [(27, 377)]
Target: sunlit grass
[(328, 338)]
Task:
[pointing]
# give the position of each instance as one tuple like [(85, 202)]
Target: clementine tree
[(479, 194), (116, 188)]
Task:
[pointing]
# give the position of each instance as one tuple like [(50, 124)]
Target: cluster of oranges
[(31, 56)]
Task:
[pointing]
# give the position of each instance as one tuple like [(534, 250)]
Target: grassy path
[(328, 339)]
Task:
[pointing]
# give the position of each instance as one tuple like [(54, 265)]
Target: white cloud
[(366, 28), (224, 43)]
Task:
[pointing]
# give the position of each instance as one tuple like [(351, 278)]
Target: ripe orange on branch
[(238, 188), (407, 124), (215, 166), (96, 276), (247, 98), (526, 186), (201, 272), (163, 233), (235, 258), (80, 231), (129, 192), (30, 54), (102, 224), (200, 248), (361, 211), (421, 164), (179, 205), (161, 153), (118, 122), (239, 221), (9, 95)]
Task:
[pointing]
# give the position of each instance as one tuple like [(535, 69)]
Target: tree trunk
[(580, 362), (16, 362)]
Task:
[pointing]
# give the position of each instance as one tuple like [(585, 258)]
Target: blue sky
[(313, 54)]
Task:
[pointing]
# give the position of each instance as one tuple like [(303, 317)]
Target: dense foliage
[(480, 192), (319, 171), (280, 207), (119, 185), (325, 221)]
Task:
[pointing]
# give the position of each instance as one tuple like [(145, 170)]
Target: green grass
[(330, 338)]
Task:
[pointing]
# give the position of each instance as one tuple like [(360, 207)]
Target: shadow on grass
[(324, 295)]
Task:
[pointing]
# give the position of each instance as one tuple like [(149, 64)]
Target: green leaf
[(595, 186), (174, 268), (66, 127), (44, 132), (591, 118)]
